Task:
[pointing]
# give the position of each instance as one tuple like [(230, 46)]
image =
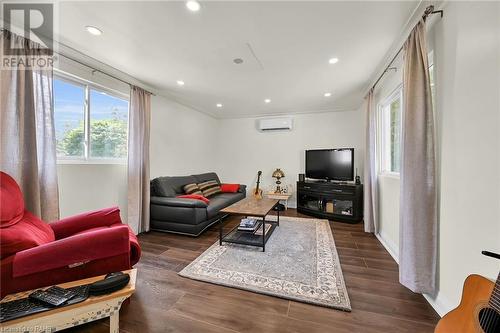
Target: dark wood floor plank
[(242, 318), (387, 264), (369, 273), (357, 320)]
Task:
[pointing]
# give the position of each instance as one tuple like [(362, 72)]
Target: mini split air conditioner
[(275, 124)]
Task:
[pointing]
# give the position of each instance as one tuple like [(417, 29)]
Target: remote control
[(54, 297)]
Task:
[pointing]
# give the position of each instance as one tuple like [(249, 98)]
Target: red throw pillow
[(230, 188), (195, 197)]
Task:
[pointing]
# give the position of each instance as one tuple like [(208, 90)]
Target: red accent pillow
[(29, 232), (195, 197), (11, 201), (230, 188)]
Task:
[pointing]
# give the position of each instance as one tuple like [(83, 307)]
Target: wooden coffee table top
[(251, 207)]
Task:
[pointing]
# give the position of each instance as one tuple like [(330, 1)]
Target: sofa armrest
[(178, 202), (81, 222), (73, 251)]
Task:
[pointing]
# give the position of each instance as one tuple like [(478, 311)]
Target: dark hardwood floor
[(166, 302)]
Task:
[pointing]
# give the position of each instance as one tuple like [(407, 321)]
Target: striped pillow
[(192, 189), (209, 188)]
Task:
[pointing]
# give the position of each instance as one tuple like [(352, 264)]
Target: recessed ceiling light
[(193, 6), (93, 30), (218, 105), (333, 60), (180, 83), (327, 94), (267, 100)]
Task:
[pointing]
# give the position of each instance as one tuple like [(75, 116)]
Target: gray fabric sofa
[(187, 216)]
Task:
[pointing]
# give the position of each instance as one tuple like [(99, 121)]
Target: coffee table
[(93, 308), (250, 207)]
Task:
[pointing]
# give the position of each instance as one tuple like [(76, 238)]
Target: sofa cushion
[(170, 186), (203, 177), (209, 188), (29, 232), (11, 201), (222, 200), (192, 189)]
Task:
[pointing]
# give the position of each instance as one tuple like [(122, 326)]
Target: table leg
[(278, 217), (264, 234), (220, 232), (114, 322)]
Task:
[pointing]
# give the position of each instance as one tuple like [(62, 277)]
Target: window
[(389, 125), (91, 123)]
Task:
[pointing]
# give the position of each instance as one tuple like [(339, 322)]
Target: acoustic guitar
[(479, 309), (257, 192)]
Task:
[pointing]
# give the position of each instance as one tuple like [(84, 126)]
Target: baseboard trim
[(389, 245), (440, 304)]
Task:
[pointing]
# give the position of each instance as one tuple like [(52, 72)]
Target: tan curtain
[(138, 159), (370, 174), (418, 205), (27, 147)]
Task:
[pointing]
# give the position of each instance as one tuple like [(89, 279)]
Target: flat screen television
[(330, 164)]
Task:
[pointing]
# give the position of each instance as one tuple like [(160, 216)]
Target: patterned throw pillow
[(192, 189), (209, 188)]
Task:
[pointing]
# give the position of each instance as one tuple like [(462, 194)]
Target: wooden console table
[(93, 308), (280, 196)]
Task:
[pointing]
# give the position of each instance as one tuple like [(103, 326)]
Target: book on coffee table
[(258, 232), (248, 224)]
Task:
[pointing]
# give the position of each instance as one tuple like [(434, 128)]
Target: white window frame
[(383, 124), (88, 85)]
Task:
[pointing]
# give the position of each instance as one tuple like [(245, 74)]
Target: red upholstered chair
[(35, 254)]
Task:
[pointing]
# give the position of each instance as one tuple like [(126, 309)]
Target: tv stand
[(334, 201)]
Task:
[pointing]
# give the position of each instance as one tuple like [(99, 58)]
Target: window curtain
[(138, 159), (370, 173), (28, 147), (418, 204)]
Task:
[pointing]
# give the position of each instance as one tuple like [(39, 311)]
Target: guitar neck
[(494, 301)]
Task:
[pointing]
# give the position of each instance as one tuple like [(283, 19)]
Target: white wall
[(243, 150), (467, 61), (85, 187), (183, 141), (466, 45)]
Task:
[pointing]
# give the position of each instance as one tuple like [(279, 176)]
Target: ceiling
[(285, 47)]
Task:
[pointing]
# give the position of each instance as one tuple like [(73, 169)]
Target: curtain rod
[(100, 71), (428, 11), (88, 66)]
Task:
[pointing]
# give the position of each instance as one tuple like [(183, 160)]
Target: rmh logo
[(35, 19)]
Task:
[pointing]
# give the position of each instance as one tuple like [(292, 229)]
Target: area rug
[(300, 263)]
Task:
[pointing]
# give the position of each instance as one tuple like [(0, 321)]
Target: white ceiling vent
[(275, 124)]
